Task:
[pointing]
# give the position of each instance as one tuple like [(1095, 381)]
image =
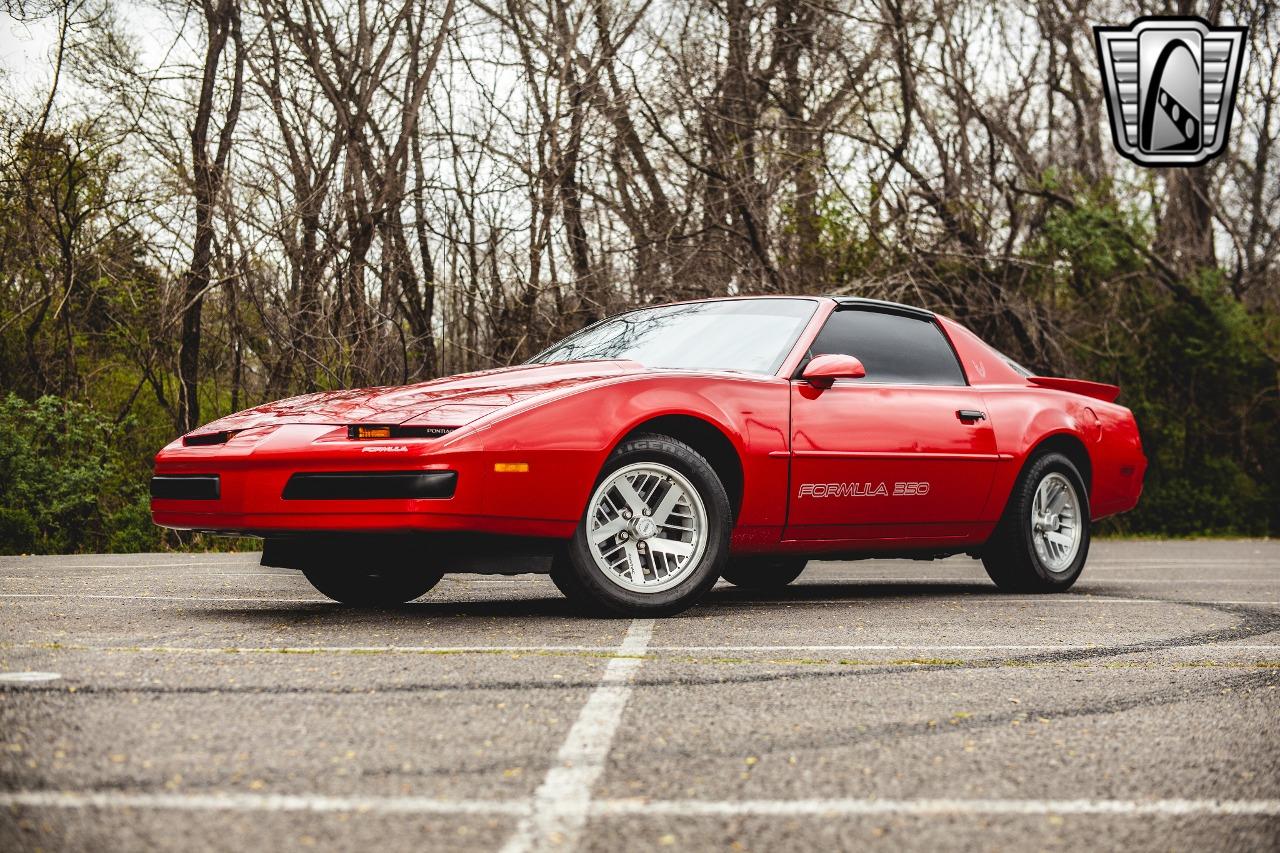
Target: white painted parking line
[(791, 808), (1204, 565), (92, 596), (1090, 581), (613, 650), (1186, 561), (27, 677), (638, 807), (171, 578), (258, 803), (63, 568), (562, 803), (943, 648), (1084, 579), (782, 600)]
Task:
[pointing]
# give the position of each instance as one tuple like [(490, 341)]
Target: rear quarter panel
[(1025, 416), (1119, 465)]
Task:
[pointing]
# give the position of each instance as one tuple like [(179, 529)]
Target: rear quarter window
[(894, 348)]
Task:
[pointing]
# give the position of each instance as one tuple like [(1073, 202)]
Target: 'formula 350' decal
[(862, 490)]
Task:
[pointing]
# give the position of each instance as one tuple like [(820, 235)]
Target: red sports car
[(644, 457)]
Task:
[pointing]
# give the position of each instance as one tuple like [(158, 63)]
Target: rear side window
[(895, 349)]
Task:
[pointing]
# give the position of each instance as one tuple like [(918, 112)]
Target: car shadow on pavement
[(555, 607), (852, 590)]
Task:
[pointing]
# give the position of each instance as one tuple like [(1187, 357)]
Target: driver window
[(895, 349)]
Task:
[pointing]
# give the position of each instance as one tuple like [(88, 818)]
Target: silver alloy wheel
[(1056, 525), (646, 527)]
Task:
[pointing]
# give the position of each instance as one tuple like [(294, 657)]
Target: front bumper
[(371, 485), (298, 480)]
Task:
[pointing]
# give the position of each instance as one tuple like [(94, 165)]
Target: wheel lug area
[(628, 507), (643, 528)]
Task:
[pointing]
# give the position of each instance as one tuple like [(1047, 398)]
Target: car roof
[(882, 305), (842, 301)]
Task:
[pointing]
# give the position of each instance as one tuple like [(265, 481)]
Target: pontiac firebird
[(646, 456)]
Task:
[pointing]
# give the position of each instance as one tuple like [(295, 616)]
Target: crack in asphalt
[(1250, 623), (861, 734), (1253, 623)]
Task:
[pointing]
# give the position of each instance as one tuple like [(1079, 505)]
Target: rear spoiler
[(1097, 390)]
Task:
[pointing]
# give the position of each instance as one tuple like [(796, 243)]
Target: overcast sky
[(26, 46), (24, 50)]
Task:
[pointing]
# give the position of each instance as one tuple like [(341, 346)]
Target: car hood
[(451, 401)]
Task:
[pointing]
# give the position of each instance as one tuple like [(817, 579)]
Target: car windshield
[(751, 335)]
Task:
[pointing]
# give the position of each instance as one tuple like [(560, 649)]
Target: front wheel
[(763, 573), (1042, 541), (654, 535), (364, 588)]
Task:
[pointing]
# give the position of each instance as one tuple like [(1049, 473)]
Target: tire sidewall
[(1047, 464), (590, 578)]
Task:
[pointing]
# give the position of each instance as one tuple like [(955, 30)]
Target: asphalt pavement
[(200, 702)]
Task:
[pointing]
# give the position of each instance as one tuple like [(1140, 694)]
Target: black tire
[(1010, 556), (763, 573), (565, 579), (578, 576), (372, 588)]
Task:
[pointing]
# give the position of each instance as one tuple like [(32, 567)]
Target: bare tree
[(208, 170)]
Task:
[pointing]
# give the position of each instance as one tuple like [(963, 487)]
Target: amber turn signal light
[(356, 431), (511, 467)]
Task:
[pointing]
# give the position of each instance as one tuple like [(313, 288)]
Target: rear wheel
[(763, 572), (1042, 541), (376, 588), (654, 535)]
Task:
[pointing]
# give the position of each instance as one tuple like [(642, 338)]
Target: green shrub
[(70, 480)]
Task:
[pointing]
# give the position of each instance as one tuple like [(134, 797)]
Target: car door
[(906, 451)]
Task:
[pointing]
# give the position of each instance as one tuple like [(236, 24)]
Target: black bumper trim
[(186, 487), (361, 485)]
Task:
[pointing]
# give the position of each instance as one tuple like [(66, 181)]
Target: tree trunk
[(222, 23)]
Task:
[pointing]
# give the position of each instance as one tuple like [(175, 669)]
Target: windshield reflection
[(750, 335)]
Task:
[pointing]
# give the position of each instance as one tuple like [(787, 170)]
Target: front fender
[(542, 461)]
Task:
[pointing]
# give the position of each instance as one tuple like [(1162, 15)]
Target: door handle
[(971, 415)]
